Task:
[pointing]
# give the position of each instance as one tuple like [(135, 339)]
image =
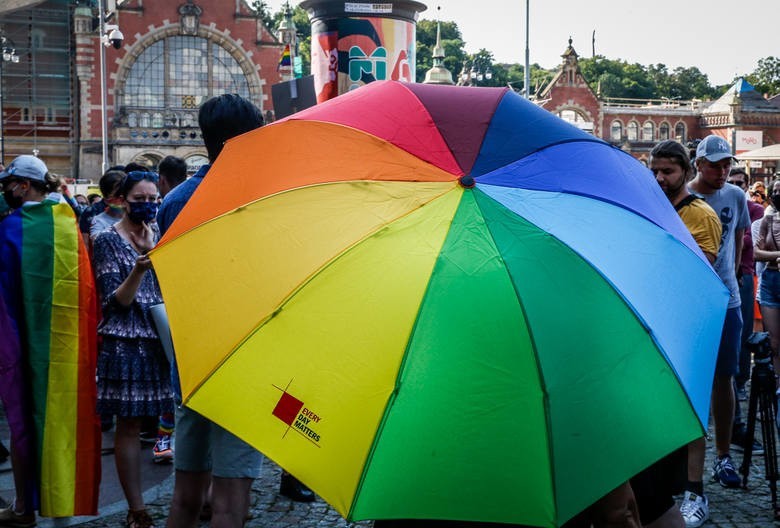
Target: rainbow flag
[(285, 61), (48, 353)]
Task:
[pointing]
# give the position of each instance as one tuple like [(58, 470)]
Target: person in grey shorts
[(205, 452)]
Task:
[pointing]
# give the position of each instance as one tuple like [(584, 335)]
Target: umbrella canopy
[(441, 303)]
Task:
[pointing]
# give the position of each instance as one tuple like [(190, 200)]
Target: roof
[(740, 94), (772, 152)]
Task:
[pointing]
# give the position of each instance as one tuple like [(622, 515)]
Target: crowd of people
[(733, 222), (136, 381)]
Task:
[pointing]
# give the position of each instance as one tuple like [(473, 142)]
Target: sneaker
[(739, 442), (723, 472), (694, 509), (10, 519), (162, 452)]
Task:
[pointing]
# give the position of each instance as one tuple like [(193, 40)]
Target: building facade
[(175, 54), (742, 116)]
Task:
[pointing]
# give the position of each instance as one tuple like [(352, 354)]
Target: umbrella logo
[(297, 416)]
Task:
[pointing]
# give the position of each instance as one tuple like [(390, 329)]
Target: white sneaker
[(694, 509)]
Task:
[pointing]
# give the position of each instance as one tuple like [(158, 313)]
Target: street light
[(109, 36), (7, 54)]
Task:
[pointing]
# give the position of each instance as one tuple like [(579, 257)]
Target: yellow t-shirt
[(704, 225)]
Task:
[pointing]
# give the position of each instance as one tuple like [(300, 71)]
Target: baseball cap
[(26, 166), (714, 148)]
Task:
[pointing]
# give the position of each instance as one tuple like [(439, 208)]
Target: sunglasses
[(137, 176)]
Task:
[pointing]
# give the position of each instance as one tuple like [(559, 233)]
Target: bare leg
[(672, 518), (696, 460), (771, 317), (127, 455), (229, 501), (723, 402), (189, 491)]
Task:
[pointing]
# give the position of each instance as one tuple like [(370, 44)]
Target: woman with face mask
[(133, 375), (48, 318), (114, 209)]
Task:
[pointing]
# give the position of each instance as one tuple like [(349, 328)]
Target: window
[(26, 115), (679, 131), (663, 131), (633, 131), (49, 114), (181, 72), (36, 38), (616, 131), (648, 131)]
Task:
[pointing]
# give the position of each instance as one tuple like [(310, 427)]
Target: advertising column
[(354, 43)]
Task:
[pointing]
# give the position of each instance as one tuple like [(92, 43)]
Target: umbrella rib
[(297, 289)]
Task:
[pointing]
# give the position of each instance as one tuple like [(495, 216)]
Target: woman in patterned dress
[(133, 373)]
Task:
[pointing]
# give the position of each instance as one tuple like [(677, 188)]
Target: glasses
[(740, 183)]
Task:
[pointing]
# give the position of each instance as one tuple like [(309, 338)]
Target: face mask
[(14, 202), (776, 199), (142, 212)]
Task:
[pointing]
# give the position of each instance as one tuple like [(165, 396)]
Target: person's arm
[(125, 293), (739, 240), (760, 251)]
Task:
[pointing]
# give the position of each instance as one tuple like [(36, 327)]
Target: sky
[(723, 39)]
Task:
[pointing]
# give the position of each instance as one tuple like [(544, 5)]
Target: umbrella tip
[(466, 181)]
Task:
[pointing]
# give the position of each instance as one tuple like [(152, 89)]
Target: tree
[(263, 12), (451, 41), (766, 78)]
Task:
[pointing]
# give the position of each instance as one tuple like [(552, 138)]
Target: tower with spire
[(438, 74)]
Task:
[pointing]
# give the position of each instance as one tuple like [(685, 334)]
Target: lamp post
[(109, 36), (7, 54), (527, 72)]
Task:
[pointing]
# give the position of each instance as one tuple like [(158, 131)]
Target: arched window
[(616, 131), (632, 131), (679, 131), (663, 131), (576, 118), (181, 72), (648, 131)]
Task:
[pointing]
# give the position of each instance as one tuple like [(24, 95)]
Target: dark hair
[(674, 151), (110, 182), (173, 169), (226, 116), (51, 183), (743, 172), (133, 177), (133, 166)]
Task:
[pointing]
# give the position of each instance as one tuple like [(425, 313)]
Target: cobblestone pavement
[(729, 508)]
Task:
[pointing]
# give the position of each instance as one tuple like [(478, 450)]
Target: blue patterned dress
[(133, 375)]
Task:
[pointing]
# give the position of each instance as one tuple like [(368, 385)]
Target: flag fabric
[(285, 61), (48, 353)]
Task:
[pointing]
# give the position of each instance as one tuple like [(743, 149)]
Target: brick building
[(175, 54), (742, 116)]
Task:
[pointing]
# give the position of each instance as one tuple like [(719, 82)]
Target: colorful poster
[(351, 52)]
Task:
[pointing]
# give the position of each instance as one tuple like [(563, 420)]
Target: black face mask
[(14, 202), (776, 199), (142, 212)]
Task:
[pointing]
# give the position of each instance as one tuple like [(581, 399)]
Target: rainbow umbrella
[(441, 303)]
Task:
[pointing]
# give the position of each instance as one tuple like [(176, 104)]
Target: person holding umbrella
[(204, 449)]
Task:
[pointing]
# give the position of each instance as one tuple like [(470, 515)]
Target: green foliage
[(619, 79), (766, 78), (451, 41)]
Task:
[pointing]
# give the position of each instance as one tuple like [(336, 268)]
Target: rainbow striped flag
[(48, 354), (285, 61)]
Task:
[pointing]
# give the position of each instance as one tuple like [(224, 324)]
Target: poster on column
[(351, 52)]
